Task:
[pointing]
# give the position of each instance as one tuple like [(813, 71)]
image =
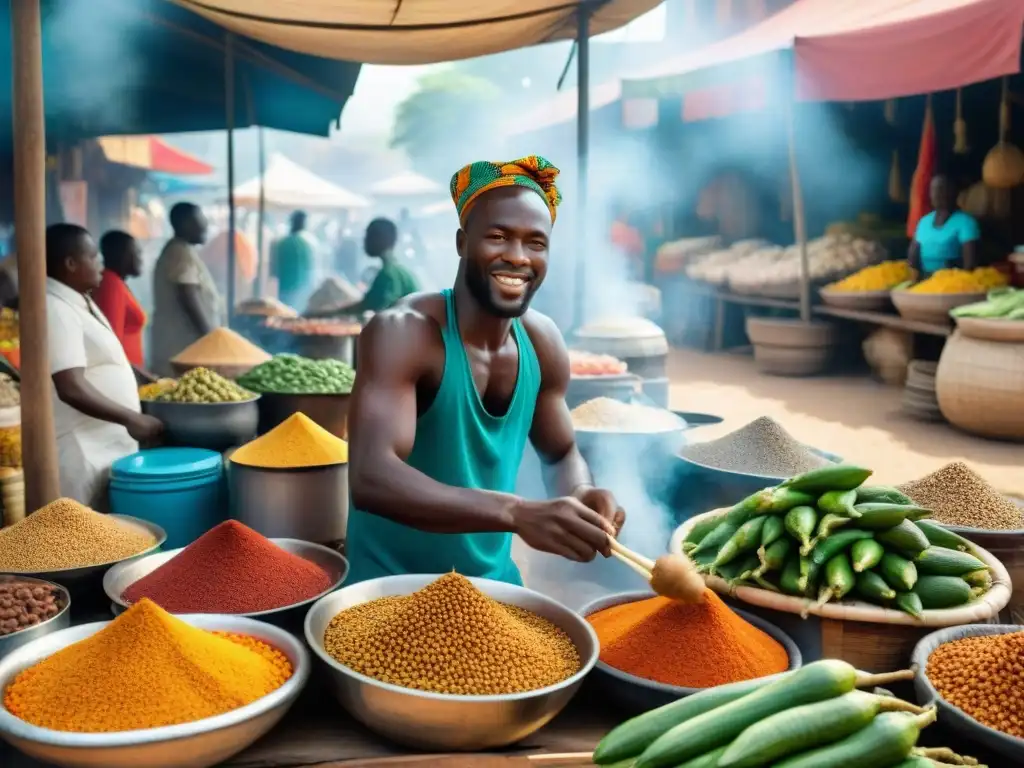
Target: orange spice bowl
[(639, 694)]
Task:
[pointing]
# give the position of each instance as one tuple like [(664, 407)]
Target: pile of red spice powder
[(694, 646), (230, 569)]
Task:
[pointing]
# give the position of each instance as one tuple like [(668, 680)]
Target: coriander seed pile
[(959, 496), (451, 638)]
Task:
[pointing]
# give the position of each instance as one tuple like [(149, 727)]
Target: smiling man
[(450, 387)]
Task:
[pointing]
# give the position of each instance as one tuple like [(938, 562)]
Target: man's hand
[(144, 428), (603, 502), (564, 526)]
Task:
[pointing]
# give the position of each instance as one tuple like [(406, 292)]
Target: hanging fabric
[(960, 145), (927, 155)]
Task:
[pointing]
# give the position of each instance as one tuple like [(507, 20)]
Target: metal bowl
[(1010, 746), (64, 575), (215, 426), (310, 504), (639, 694), (198, 744), (443, 722), (60, 620), (122, 576), (329, 411), (744, 483)]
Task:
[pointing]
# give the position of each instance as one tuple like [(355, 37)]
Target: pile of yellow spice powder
[(146, 669), (449, 637), (296, 442)]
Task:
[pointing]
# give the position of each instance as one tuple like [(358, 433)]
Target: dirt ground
[(854, 417)]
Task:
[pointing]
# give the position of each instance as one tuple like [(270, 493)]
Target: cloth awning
[(860, 51), (413, 31), (562, 108), (406, 184), (288, 185), (153, 154)]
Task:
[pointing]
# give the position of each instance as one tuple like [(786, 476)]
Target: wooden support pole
[(799, 220), (582, 159), (229, 106), (39, 444)]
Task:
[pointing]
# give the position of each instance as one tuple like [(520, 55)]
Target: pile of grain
[(603, 414), (64, 534), (959, 496), (451, 638), (221, 346), (762, 447)]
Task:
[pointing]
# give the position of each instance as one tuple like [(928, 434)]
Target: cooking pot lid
[(165, 463)]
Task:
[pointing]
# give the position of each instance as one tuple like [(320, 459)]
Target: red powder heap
[(230, 569)]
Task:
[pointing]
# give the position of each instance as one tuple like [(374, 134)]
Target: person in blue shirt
[(946, 237)]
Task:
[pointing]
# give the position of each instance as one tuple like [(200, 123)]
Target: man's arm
[(75, 390), (190, 298)]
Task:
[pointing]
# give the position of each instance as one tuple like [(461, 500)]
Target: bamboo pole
[(799, 221), (39, 444), (229, 105)]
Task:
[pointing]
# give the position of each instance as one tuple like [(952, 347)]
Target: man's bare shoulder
[(548, 344), (413, 323)]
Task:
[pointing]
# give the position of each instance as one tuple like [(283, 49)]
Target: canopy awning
[(287, 184), (562, 108), (413, 31), (153, 154), (861, 51), (406, 184)]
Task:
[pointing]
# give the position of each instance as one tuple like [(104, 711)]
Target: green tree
[(451, 119)]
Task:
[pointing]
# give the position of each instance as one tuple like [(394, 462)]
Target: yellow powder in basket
[(221, 346), (298, 441)]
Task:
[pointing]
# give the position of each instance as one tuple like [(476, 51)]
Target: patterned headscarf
[(533, 172)]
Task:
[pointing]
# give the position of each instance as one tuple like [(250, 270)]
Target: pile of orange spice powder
[(693, 646)]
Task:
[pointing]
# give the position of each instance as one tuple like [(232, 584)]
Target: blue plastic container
[(180, 489)]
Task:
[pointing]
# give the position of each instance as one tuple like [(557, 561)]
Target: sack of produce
[(824, 543)]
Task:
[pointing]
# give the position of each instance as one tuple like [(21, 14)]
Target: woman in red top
[(122, 258)]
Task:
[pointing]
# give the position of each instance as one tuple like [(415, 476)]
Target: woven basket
[(980, 387), (865, 635)]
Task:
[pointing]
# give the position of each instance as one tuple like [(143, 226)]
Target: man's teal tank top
[(459, 443)]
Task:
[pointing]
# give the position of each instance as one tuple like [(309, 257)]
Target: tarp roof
[(153, 154), (864, 50), (408, 184), (113, 67), (413, 31), (562, 108), (288, 185)]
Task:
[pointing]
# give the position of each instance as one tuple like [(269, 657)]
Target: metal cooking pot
[(214, 426), (309, 503)]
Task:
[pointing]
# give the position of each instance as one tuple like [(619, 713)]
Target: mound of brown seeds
[(959, 496)]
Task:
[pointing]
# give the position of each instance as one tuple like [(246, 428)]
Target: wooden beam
[(39, 444)]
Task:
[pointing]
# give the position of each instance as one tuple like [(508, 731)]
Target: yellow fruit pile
[(153, 390), (878, 277), (962, 281)]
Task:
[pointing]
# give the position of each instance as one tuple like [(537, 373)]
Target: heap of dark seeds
[(762, 447)]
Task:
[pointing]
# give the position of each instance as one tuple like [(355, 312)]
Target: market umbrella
[(152, 154), (286, 184)]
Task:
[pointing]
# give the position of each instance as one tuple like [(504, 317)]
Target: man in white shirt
[(96, 403)]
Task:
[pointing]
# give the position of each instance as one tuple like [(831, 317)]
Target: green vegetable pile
[(813, 717), (297, 375), (201, 385), (1000, 304), (823, 535)]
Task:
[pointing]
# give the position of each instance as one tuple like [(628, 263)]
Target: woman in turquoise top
[(452, 385), (946, 237)]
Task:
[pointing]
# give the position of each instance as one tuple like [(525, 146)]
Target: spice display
[(877, 277), (962, 281), (825, 536), (811, 717), (296, 375), (65, 534), (451, 638), (644, 638), (221, 346), (106, 682), (10, 326), (265, 307), (24, 604), (302, 326), (604, 414), (10, 447), (333, 294), (153, 390), (983, 676), (230, 569), (762, 447), (201, 385), (296, 442), (959, 496), (10, 395), (1000, 304), (589, 364)]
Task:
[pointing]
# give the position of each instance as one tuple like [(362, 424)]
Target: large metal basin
[(309, 504), (329, 411), (214, 426), (441, 722)]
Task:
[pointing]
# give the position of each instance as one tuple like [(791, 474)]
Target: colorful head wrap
[(533, 172)]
